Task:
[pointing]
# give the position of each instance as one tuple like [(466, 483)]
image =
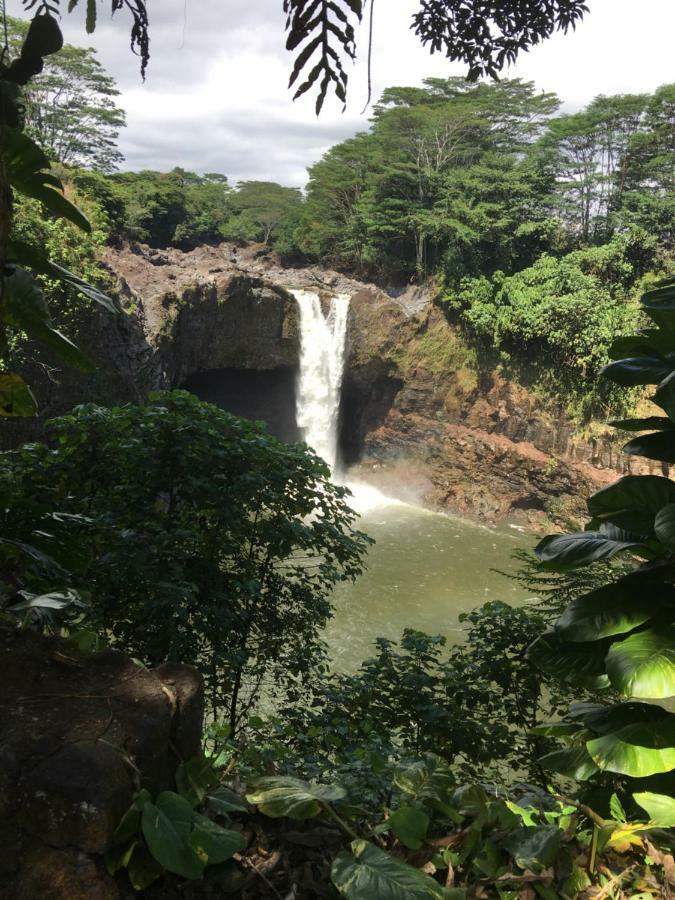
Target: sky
[(215, 98)]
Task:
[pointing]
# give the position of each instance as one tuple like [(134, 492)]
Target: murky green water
[(424, 570)]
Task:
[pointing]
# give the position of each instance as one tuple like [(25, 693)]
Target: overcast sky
[(215, 96)]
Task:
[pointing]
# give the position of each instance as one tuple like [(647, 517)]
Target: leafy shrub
[(200, 538)]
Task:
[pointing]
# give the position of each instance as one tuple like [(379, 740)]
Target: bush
[(200, 538)]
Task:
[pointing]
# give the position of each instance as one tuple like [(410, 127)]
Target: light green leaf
[(638, 750), (643, 665), (292, 797), (16, 398), (660, 808), (368, 873), (410, 825)]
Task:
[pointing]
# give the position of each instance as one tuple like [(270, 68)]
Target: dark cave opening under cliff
[(269, 396)]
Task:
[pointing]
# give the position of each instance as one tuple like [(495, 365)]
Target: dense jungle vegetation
[(536, 759)]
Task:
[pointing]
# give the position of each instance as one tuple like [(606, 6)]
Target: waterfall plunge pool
[(423, 571)]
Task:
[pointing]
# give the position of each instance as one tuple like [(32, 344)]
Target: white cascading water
[(322, 358)]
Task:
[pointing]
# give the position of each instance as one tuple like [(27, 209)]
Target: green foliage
[(625, 630), (203, 539), (566, 311), (69, 108), (260, 208), (25, 168)]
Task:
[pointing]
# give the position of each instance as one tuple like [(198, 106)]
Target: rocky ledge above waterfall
[(419, 415)]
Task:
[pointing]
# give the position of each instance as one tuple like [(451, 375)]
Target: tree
[(69, 108), (260, 207), (198, 537)]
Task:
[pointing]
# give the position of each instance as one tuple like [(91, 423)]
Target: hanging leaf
[(574, 762), (561, 552), (664, 526), (368, 873), (639, 750), (43, 37), (16, 398), (292, 797), (651, 423), (643, 665), (632, 502), (638, 370), (614, 609), (659, 446), (582, 663), (660, 808)]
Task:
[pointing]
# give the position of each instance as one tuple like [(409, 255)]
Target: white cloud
[(216, 96)]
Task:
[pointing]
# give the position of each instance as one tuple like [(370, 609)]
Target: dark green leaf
[(43, 38), (638, 370), (166, 829), (368, 873), (535, 847), (225, 801), (659, 446), (568, 551), (632, 502), (210, 840), (410, 825), (651, 423), (573, 762), (664, 526), (582, 663)]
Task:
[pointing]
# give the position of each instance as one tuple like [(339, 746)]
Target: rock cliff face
[(81, 734), (418, 409)]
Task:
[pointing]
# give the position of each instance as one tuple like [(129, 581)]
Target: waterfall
[(322, 358)]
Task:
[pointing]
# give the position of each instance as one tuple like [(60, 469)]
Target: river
[(423, 571)]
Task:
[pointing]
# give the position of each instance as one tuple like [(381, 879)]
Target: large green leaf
[(210, 840), (429, 778), (535, 847), (659, 304), (665, 395), (368, 873), (614, 609), (638, 370), (582, 663), (573, 762), (27, 309), (632, 502), (639, 750), (27, 167), (225, 800), (410, 825), (143, 869), (643, 665), (664, 526), (561, 552), (603, 719), (659, 446), (650, 423), (292, 797), (648, 342), (43, 38), (166, 828), (23, 253), (16, 398), (660, 808)]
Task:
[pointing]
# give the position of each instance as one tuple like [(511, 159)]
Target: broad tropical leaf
[(561, 552), (209, 840), (574, 762), (614, 609), (632, 502), (292, 797), (166, 828), (582, 663), (368, 873), (660, 808), (643, 665), (664, 526), (410, 825), (659, 446), (639, 750), (534, 847), (638, 370)]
